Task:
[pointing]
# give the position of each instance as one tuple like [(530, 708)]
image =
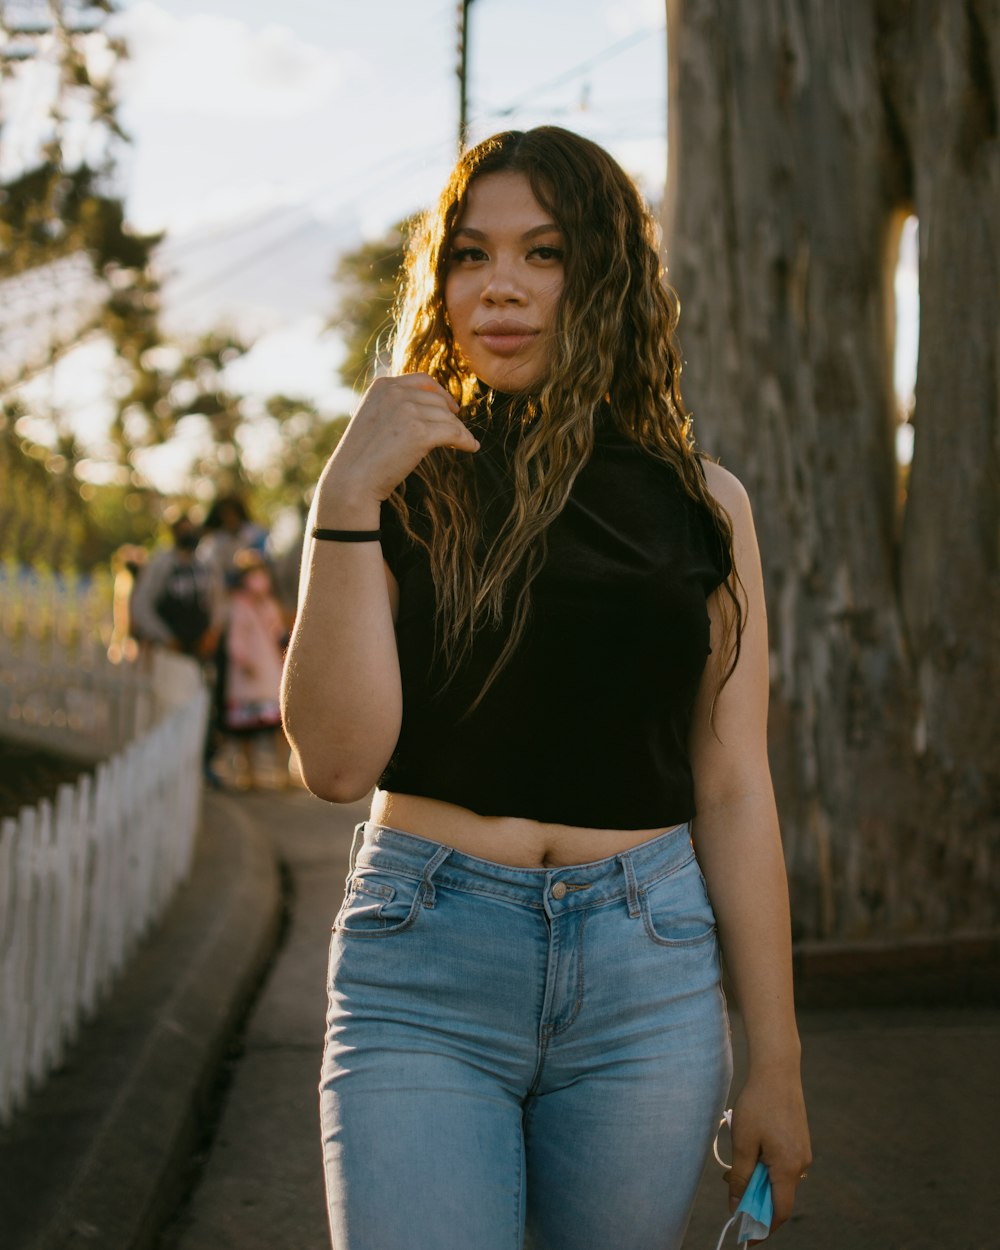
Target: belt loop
[(431, 867), (356, 843), (631, 886)]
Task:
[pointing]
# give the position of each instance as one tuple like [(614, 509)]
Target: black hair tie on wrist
[(348, 536)]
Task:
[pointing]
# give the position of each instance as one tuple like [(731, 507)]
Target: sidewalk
[(903, 1101)]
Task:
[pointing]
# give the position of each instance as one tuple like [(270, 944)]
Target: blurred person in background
[(255, 640), (126, 568), (227, 530), (178, 602)]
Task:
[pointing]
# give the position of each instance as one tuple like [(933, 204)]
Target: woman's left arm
[(738, 845)]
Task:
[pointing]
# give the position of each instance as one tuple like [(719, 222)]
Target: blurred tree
[(800, 136), (307, 441), (56, 201), (44, 519), (58, 207), (368, 281), (177, 383), (59, 204), (170, 383)]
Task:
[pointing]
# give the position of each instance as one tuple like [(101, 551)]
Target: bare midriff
[(503, 839)]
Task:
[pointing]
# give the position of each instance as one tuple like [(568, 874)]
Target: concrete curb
[(959, 970), (101, 1153)]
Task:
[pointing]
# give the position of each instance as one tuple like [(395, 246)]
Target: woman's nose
[(502, 286)]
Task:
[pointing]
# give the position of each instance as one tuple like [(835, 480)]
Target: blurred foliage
[(53, 209), (307, 441), (50, 517), (44, 520), (169, 383), (121, 514), (368, 280), (174, 384)]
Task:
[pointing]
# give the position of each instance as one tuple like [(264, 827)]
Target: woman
[(553, 666)]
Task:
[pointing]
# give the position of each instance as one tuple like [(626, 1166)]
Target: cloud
[(625, 16), (645, 158), (220, 67)]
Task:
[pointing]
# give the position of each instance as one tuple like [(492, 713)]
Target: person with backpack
[(179, 601)]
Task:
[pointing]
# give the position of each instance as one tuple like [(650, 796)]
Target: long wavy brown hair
[(614, 340)]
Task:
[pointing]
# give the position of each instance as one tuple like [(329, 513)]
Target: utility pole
[(462, 20)]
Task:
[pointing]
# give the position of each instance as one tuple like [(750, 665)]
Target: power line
[(388, 168), (243, 263), (414, 161), (210, 236), (616, 49), (408, 155), (408, 161)]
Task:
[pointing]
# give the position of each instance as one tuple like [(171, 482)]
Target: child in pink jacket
[(255, 641)]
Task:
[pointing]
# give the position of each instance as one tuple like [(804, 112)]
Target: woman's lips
[(506, 340), (506, 344)]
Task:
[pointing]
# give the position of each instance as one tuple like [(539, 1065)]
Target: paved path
[(262, 1185), (904, 1103)]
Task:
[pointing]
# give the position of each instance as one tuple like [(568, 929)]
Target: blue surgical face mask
[(756, 1209)]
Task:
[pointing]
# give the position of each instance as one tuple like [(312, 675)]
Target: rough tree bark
[(801, 133)]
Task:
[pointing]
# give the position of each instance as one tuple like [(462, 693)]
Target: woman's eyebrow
[(547, 228)]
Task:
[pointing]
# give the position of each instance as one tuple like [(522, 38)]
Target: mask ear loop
[(725, 1229), (725, 1122)]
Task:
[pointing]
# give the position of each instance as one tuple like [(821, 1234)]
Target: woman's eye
[(547, 253), (462, 254)]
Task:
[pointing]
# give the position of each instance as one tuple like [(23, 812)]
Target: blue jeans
[(520, 1056)]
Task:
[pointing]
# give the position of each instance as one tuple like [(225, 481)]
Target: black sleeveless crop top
[(588, 722)]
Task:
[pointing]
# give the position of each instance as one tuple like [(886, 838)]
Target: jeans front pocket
[(676, 909), (378, 904)]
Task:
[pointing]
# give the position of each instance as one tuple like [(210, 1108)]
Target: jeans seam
[(521, 1153), (442, 881), (536, 1076), (646, 882), (571, 1019), (513, 894), (553, 964)]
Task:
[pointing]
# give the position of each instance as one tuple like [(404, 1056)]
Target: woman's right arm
[(341, 693)]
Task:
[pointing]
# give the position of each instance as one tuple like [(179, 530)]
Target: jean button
[(559, 889)]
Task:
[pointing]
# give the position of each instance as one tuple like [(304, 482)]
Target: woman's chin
[(510, 382)]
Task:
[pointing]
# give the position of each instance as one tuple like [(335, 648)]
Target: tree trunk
[(801, 132)]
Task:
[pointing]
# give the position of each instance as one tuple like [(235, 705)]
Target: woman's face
[(505, 277)]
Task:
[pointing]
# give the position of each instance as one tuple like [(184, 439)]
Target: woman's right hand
[(399, 421)]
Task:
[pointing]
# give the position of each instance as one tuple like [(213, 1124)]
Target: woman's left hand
[(769, 1123)]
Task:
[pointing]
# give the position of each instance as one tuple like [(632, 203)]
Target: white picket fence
[(84, 877), (58, 689)]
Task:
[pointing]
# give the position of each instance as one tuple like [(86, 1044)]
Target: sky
[(352, 108), (267, 139)]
